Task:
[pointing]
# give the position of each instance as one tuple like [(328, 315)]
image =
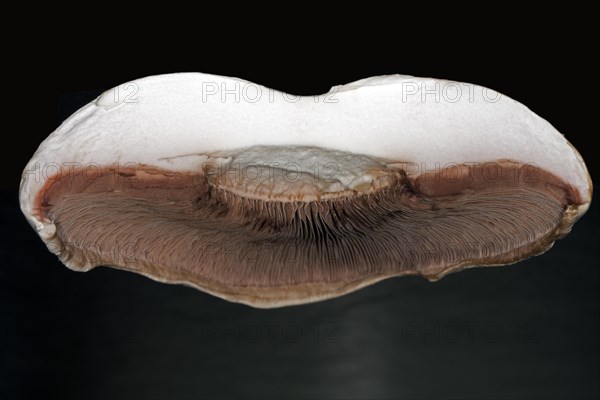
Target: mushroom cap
[(176, 122)]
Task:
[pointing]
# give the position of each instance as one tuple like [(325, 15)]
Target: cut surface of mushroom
[(274, 203)]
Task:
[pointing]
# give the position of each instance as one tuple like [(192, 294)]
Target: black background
[(524, 331)]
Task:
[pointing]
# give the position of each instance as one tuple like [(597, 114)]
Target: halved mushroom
[(269, 199)]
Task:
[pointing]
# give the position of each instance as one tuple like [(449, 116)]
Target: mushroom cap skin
[(271, 199)]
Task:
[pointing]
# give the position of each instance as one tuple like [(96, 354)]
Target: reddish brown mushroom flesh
[(196, 228)]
